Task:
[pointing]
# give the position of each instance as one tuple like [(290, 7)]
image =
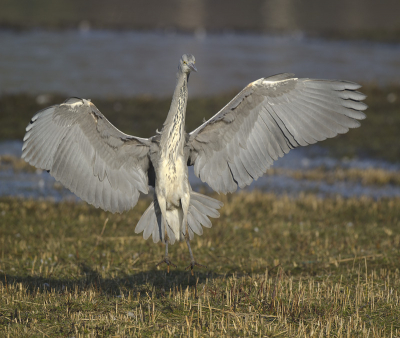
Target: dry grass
[(276, 267), (370, 176), (15, 163)]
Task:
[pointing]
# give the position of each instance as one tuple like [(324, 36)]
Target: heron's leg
[(164, 225), (185, 208), (193, 263), (166, 259)]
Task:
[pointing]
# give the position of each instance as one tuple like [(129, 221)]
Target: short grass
[(276, 266), (370, 176)]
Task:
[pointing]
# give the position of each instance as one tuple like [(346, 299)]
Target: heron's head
[(186, 63)]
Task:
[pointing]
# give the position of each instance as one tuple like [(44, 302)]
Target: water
[(104, 63), (41, 185)]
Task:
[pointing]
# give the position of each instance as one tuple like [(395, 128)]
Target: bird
[(109, 169)]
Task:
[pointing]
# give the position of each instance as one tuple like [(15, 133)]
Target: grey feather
[(201, 207), (270, 117), (194, 224), (206, 200), (88, 155)]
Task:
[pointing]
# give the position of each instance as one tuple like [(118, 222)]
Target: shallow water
[(41, 185), (104, 63)]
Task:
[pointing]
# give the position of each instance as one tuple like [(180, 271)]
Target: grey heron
[(108, 169)]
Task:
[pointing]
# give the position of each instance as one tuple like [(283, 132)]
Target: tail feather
[(201, 207), (202, 218), (206, 200), (151, 219), (145, 219), (205, 209), (174, 219), (194, 225)]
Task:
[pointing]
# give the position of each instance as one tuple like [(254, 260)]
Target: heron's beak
[(192, 66)]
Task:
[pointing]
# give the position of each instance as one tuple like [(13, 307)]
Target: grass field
[(276, 266)]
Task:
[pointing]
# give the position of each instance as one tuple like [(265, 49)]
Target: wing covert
[(264, 121), (88, 155)]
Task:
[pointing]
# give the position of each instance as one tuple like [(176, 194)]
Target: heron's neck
[(174, 126)]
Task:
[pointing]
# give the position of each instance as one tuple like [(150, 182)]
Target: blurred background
[(123, 55)]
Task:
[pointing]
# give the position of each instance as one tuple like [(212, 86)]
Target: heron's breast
[(172, 179), (172, 171)]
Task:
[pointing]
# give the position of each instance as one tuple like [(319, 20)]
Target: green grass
[(377, 137), (275, 267)]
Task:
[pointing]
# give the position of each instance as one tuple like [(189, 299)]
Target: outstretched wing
[(88, 155), (267, 119)]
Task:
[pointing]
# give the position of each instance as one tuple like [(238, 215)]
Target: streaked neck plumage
[(173, 132)]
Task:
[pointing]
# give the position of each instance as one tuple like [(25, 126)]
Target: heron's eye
[(184, 62)]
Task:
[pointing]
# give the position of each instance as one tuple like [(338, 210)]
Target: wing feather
[(87, 154), (267, 119)]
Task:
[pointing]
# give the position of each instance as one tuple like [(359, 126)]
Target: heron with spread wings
[(77, 145)]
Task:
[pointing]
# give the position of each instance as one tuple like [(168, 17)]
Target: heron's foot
[(166, 261), (193, 264)]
